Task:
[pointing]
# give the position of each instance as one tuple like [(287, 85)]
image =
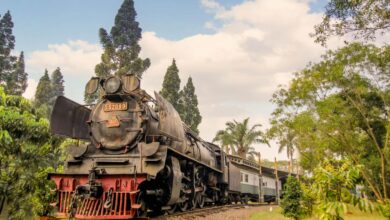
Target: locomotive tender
[(139, 156)]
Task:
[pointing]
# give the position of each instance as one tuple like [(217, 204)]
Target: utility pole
[(276, 182), (261, 190)]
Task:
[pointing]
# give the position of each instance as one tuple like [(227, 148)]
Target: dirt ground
[(229, 214)]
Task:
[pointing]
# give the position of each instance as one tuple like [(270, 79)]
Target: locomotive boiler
[(135, 156)]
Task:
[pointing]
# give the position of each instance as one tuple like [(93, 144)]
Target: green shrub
[(292, 196)]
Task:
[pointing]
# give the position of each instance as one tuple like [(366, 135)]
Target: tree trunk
[(241, 152)]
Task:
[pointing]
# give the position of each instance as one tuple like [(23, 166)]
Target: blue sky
[(52, 21), (42, 22), (237, 51)]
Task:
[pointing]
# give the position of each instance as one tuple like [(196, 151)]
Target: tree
[(121, 48), (57, 87), (17, 79), (7, 44), (44, 92), (339, 107), (291, 201), (26, 155), (364, 19), (171, 86), (240, 136), (225, 139), (57, 83), (285, 137), (189, 106)]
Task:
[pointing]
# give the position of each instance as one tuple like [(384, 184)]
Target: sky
[(236, 51)]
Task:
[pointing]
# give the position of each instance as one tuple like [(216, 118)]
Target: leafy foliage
[(385, 209), (291, 201), (239, 137), (333, 182), (339, 107), (121, 48), (364, 19), (27, 154)]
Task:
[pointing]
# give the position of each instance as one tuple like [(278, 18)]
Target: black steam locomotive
[(139, 157)]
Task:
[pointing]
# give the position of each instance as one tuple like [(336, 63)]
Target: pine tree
[(189, 111), (7, 44), (57, 82), (17, 80), (171, 86), (121, 48), (44, 92), (57, 86)]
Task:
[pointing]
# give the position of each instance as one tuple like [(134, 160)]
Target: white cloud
[(212, 5), (74, 57), (236, 69), (31, 87)]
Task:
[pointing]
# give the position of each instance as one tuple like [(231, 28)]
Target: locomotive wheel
[(238, 199), (142, 211), (199, 200), (192, 203), (245, 200), (172, 209), (182, 206)]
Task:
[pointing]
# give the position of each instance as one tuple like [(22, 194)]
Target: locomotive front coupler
[(93, 189)]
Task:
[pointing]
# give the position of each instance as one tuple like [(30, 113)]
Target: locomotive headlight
[(112, 85)]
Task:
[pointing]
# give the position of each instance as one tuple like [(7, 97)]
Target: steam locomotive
[(139, 157)]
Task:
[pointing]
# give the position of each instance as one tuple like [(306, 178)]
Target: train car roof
[(248, 165)]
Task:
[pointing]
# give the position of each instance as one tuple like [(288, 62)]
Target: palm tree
[(288, 143), (224, 139), (240, 137)]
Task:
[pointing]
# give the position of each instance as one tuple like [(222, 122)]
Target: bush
[(292, 196)]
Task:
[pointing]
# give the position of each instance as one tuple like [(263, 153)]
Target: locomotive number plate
[(110, 106)]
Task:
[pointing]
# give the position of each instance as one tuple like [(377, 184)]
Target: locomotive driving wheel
[(199, 200), (142, 211), (172, 209), (182, 206)]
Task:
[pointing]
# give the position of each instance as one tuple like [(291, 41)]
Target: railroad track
[(203, 212)]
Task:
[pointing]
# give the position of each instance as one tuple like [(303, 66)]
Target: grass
[(275, 214)]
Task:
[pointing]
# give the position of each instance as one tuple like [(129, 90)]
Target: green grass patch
[(354, 214)]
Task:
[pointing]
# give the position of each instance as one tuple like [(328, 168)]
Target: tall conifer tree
[(57, 85), (7, 44), (17, 79), (121, 48), (43, 94), (57, 82), (189, 111), (171, 86)]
